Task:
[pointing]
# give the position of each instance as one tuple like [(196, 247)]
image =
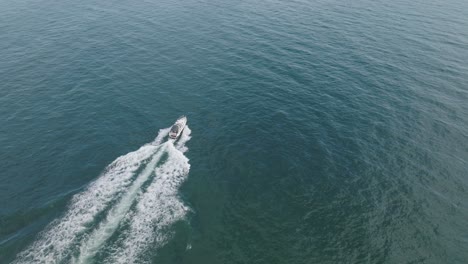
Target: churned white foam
[(184, 137), (158, 208), (113, 194), (162, 133), (55, 242), (106, 228)]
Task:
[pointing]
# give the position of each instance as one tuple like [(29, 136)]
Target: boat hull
[(177, 128)]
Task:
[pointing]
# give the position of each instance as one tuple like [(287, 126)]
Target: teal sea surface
[(318, 131)]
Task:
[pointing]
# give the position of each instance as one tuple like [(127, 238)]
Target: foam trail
[(54, 244), (158, 208), (117, 213), (161, 134)]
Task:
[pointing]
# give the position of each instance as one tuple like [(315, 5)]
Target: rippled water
[(322, 131)]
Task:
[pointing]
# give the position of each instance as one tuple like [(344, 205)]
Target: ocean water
[(318, 131)]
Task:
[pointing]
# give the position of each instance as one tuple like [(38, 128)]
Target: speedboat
[(177, 128)]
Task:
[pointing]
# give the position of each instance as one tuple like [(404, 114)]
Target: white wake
[(158, 207), (95, 214)]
